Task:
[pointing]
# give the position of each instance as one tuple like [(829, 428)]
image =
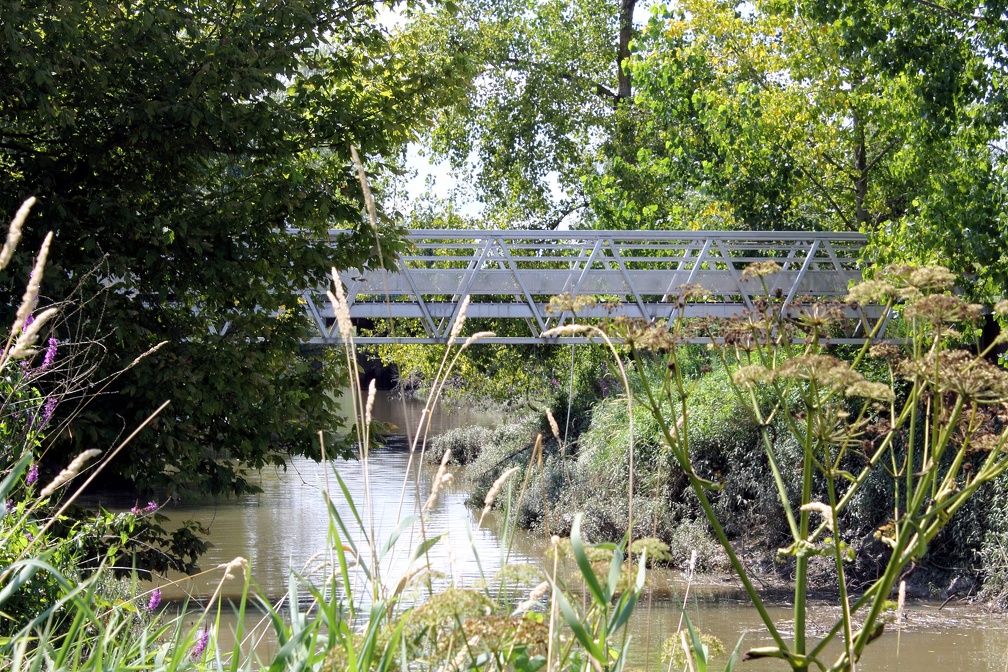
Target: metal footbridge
[(511, 275)]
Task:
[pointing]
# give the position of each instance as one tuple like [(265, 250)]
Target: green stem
[(841, 575), (779, 481), (801, 564), (699, 490)]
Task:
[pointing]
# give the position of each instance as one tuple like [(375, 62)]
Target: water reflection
[(286, 527)]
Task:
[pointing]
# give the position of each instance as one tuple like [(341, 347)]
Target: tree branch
[(600, 89)]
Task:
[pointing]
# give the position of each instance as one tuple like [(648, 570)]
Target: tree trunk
[(625, 90), (860, 173)]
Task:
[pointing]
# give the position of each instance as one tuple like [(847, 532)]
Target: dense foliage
[(884, 117), (196, 154)]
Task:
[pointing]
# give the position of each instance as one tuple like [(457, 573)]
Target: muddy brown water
[(286, 528)]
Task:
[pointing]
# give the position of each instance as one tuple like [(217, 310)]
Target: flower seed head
[(70, 472), (14, 232)]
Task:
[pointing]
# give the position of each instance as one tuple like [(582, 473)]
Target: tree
[(544, 90), (813, 116), (197, 153)]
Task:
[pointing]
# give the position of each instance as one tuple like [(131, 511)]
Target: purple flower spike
[(32, 474), (27, 323), (47, 410), (155, 600), (151, 507), (201, 644), (50, 355)]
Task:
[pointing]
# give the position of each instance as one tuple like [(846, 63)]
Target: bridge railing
[(513, 274)]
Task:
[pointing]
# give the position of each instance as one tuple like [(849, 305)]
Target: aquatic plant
[(923, 426)]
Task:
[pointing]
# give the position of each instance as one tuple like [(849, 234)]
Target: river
[(286, 527)]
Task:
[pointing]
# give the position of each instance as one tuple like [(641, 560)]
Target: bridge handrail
[(630, 235)]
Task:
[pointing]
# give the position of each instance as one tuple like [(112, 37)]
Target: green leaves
[(196, 155), (595, 626)]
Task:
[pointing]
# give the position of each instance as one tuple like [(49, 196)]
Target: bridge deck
[(511, 275)]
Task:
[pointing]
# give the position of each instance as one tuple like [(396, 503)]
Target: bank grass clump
[(464, 443)]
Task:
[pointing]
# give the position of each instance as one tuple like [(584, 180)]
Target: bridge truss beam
[(511, 275)]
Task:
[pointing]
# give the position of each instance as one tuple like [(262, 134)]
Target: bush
[(465, 444)]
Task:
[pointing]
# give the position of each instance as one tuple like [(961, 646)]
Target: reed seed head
[(567, 330), (535, 595), (442, 479), (237, 563), (29, 334), (495, 489), (823, 510), (341, 308), (14, 232), (68, 474), (459, 321), (554, 427), (32, 290), (479, 335), (369, 407)]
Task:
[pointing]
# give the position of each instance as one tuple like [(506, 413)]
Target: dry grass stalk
[(554, 427), (365, 188), (70, 472), (686, 650), (573, 329), (491, 496), (14, 232), (456, 329), (442, 479)]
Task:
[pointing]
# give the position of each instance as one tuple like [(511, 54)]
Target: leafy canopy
[(197, 153)]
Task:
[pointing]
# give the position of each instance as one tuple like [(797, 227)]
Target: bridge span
[(511, 275)]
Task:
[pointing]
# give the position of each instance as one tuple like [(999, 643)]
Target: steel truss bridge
[(511, 275)]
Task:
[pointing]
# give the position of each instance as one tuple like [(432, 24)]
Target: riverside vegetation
[(57, 615), (918, 433)]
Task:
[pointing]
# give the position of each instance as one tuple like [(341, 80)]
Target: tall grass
[(380, 604)]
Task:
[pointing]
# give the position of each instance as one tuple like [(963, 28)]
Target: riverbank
[(588, 472), (958, 635)]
